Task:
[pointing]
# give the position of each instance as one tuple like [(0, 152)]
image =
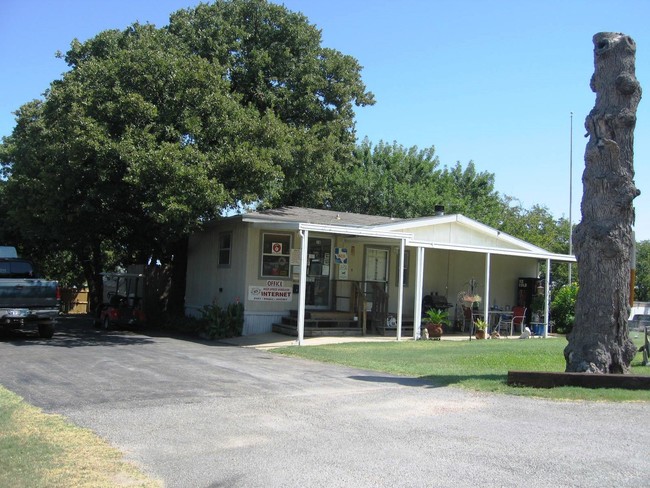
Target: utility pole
[(570, 195)]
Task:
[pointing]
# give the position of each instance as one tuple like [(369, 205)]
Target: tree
[(642, 288), (154, 131), (537, 226), (389, 179), (273, 60), (599, 341)]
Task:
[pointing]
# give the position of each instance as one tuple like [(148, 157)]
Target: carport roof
[(316, 216)]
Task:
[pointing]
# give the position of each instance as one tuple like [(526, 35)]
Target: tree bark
[(599, 341)]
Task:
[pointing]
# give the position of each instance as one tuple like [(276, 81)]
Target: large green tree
[(389, 179), (153, 131), (538, 226)]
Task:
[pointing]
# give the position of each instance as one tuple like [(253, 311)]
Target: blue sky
[(488, 81)]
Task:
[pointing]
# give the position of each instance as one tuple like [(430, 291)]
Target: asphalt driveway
[(206, 415)]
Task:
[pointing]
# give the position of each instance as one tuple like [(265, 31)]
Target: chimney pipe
[(439, 210)]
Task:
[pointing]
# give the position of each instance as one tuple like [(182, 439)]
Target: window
[(276, 251), (16, 269), (407, 255), (225, 246)]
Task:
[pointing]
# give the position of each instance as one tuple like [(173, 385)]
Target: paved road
[(207, 415)]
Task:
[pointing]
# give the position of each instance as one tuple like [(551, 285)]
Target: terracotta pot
[(435, 330), (480, 334)]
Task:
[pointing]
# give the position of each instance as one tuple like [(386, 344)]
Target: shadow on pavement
[(426, 381), (76, 331)]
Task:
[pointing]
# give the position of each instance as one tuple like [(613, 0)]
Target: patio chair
[(509, 323)]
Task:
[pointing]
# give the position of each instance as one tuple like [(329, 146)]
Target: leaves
[(154, 131)]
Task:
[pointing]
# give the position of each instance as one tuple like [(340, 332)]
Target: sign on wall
[(341, 255), (274, 291)]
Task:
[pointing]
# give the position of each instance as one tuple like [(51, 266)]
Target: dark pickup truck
[(26, 301)]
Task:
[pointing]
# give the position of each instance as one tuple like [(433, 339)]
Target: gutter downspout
[(304, 234)]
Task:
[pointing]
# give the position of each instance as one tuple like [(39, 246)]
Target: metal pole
[(417, 306), (304, 234), (400, 288), (570, 196)]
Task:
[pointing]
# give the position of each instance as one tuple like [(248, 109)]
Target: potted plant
[(537, 305), (434, 319), (480, 326)]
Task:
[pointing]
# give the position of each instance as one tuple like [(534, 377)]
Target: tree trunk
[(92, 264), (599, 342)]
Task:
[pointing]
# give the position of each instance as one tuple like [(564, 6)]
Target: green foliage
[(437, 316), (153, 131), (480, 324), (220, 322), (537, 304), (563, 308), (389, 179), (642, 285)]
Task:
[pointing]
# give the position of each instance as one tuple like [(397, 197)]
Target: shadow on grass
[(431, 381)]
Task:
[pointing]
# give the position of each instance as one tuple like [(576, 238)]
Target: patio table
[(495, 315)]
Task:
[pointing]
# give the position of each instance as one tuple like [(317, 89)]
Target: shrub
[(563, 308), (219, 322)]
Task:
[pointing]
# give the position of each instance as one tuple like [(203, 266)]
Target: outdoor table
[(495, 315)]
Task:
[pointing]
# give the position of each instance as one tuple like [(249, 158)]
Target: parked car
[(26, 300)]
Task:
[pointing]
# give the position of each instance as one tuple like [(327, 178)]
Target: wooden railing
[(358, 299)]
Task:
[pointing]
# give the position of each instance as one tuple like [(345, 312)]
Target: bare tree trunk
[(599, 342)]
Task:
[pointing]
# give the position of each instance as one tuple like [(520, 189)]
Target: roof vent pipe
[(439, 210)]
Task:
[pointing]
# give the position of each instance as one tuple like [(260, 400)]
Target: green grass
[(476, 365), (43, 450)]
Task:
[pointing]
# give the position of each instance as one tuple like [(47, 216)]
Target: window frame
[(265, 257), (407, 258), (221, 249)]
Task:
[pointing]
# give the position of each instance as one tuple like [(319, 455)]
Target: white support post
[(486, 302), (304, 234), (419, 286), (400, 287), (547, 297)]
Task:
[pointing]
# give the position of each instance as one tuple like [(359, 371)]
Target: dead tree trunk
[(599, 342)]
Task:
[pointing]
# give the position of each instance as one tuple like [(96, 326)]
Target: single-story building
[(307, 269)]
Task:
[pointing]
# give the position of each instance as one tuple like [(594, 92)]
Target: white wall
[(207, 282)]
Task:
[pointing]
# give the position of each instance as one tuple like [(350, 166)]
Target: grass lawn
[(43, 450), (477, 365)]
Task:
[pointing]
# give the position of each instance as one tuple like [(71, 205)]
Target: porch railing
[(366, 299)]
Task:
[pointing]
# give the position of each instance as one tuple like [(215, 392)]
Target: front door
[(319, 256), (376, 268)]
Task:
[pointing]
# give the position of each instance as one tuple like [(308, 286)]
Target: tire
[(106, 323), (46, 331)]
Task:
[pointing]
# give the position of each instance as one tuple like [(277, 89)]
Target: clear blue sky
[(489, 81)]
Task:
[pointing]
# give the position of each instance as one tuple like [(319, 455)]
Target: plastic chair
[(518, 319)]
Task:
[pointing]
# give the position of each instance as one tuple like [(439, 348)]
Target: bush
[(563, 308), (219, 323)]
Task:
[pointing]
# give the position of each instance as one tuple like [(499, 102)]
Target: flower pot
[(480, 334), (435, 330)]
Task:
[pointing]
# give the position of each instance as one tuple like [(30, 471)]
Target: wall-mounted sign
[(341, 255), (295, 257), (274, 291)]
